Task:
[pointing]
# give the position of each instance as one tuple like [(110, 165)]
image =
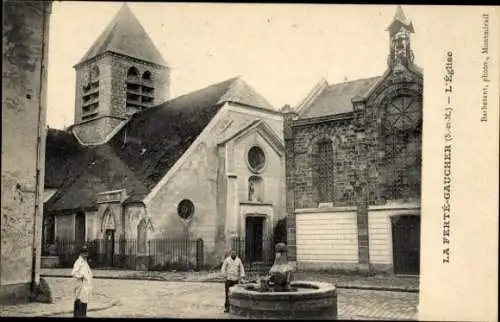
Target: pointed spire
[(125, 35), (399, 21), (400, 54), (400, 15)]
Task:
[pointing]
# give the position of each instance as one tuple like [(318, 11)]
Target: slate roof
[(125, 35), (336, 98), (98, 170), (62, 152), (145, 149)]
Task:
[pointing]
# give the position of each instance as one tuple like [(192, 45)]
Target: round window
[(256, 158), (185, 209)]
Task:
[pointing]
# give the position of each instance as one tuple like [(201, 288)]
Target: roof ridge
[(355, 80), (245, 94), (305, 103), (181, 96), (231, 85)]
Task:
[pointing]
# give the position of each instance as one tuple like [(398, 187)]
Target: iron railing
[(257, 255), (157, 254)]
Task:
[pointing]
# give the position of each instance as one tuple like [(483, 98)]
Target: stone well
[(310, 300)]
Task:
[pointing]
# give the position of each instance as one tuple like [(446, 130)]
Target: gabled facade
[(353, 154)]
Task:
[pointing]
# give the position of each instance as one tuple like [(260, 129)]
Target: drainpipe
[(46, 9)]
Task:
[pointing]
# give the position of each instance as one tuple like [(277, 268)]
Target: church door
[(109, 247), (406, 244), (254, 230)]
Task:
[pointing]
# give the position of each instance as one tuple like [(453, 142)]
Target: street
[(205, 300)]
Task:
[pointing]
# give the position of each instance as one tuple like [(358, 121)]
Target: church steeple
[(400, 54), (121, 73), (125, 35)]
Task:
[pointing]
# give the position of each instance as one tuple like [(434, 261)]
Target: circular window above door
[(185, 209), (256, 159)]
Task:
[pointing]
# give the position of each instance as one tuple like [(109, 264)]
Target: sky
[(281, 50)]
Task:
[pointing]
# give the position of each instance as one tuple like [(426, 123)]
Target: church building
[(353, 168), (138, 165)]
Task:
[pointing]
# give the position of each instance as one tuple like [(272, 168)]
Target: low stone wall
[(49, 261), (312, 301)]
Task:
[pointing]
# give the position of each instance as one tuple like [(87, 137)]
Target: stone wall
[(342, 136), (133, 215), (24, 78), (96, 131), (92, 225)]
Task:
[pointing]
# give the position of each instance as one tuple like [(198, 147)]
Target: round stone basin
[(309, 300)]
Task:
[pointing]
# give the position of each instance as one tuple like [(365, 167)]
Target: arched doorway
[(109, 227), (406, 244)]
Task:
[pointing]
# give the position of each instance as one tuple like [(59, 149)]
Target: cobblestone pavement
[(391, 282), (205, 300), (62, 296), (151, 275), (401, 282)]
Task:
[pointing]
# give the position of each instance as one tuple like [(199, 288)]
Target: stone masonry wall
[(343, 137), (119, 68), (24, 78), (288, 117), (112, 92), (97, 130)]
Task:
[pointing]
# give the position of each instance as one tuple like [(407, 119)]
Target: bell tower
[(400, 53), (122, 73)]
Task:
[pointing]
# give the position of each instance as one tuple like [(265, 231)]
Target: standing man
[(233, 271), (83, 275)]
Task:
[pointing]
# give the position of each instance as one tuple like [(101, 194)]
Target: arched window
[(142, 236), (402, 133), (323, 171), (132, 72), (255, 189), (147, 89), (146, 75)]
